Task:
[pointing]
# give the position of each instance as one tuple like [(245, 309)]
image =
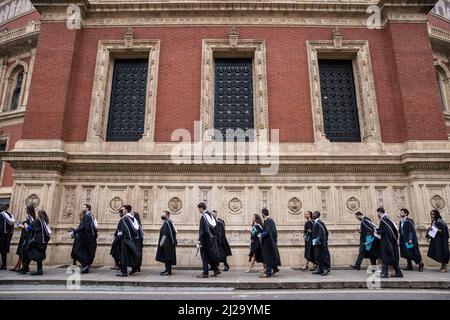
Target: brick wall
[(401, 57)]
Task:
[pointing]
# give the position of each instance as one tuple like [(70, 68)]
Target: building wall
[(400, 89), (58, 168)]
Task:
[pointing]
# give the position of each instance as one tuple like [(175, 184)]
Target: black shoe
[(23, 271), (216, 273), (166, 273), (133, 271), (3, 267), (275, 270), (421, 266), (408, 268), (384, 275), (122, 274), (202, 275), (355, 267), (85, 269), (326, 272), (318, 272), (37, 273), (162, 273), (397, 275), (226, 268)]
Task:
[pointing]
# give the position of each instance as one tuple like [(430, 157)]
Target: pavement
[(234, 279)]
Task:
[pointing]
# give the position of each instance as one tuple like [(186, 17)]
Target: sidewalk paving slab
[(238, 279)]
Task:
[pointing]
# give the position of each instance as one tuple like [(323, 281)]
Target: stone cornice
[(439, 34), (264, 12), (24, 37)]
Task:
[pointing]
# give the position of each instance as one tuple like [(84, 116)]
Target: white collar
[(133, 220), (8, 216), (209, 218)]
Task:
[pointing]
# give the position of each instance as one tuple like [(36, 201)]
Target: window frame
[(358, 51), (243, 48), (107, 52), (9, 87), (443, 78)]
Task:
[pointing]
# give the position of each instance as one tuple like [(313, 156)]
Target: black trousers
[(168, 267), (360, 258), (4, 256), (206, 263)]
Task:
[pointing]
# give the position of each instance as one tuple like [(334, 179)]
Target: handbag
[(409, 245)]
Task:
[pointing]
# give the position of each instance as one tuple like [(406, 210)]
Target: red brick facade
[(408, 103)]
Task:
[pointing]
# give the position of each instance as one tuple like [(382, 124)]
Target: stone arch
[(10, 82)]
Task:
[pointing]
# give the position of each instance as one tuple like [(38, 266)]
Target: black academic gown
[(140, 244), (167, 252), (388, 243), (37, 245), (24, 237), (367, 229), (130, 254), (321, 252), (224, 246), (209, 243), (307, 232), (85, 241), (6, 233), (255, 244), (438, 249), (269, 239), (407, 232), (115, 251)]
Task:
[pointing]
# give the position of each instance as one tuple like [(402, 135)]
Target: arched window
[(17, 88), (444, 87)]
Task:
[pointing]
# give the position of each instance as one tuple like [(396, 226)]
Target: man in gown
[(6, 233), (128, 231), (269, 246), (320, 244), (85, 239), (208, 242), (368, 243), (388, 245), (409, 245), (166, 252), (224, 246)]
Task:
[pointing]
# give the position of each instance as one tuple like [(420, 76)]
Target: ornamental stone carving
[(353, 204), (175, 204), (235, 205), (33, 200), (294, 205), (115, 204), (437, 202)]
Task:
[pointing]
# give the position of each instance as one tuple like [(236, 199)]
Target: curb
[(245, 285)]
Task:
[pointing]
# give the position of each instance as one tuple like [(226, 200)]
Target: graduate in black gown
[(368, 243), (409, 245), (140, 241), (167, 242), (320, 245), (128, 231), (388, 245), (307, 236), (224, 246), (115, 251), (36, 248), (6, 233), (24, 234), (269, 245), (208, 244), (438, 249), (255, 254), (85, 239)]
